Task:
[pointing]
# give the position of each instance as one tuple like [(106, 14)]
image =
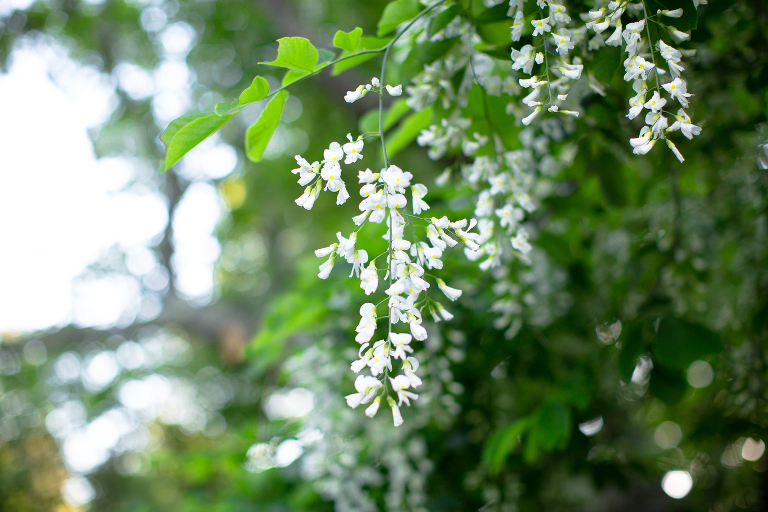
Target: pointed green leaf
[(366, 43), (396, 13), (501, 443), (190, 135), (258, 136), (349, 41), (223, 109), (295, 53), (258, 90), (177, 125)]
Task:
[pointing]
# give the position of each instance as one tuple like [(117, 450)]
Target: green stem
[(650, 47)]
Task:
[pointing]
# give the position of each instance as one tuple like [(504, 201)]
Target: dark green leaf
[(258, 136), (422, 54), (679, 343), (190, 135), (605, 63), (442, 20), (501, 443), (295, 53), (349, 41), (396, 13)]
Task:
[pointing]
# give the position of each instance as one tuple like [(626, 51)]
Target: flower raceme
[(384, 201)]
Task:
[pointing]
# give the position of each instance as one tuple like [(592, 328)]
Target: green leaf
[(190, 135), (396, 13), (501, 443), (258, 136), (177, 125), (292, 76), (258, 90), (349, 41), (367, 43), (605, 63), (408, 131), (422, 54), (442, 19), (551, 429), (295, 53), (688, 21), (679, 343)]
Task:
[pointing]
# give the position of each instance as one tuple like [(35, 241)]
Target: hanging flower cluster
[(407, 262), (639, 71)]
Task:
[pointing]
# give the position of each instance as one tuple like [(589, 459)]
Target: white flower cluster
[(639, 70), (374, 86), (328, 171), (384, 199), (551, 28)]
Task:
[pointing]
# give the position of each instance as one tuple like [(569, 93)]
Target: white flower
[(367, 325), (325, 268), (396, 179), (343, 195), (529, 118), (346, 246), (672, 14), (615, 39), (333, 155), (375, 82), (369, 279), (325, 251), (509, 216), (572, 71), (524, 59), (676, 151), (636, 104), (557, 13), (451, 293), (518, 26), (353, 150), (656, 102), (401, 343), (400, 384), (367, 176), (540, 26), (669, 53), (367, 387), (305, 171), (563, 42), (683, 123), (678, 90), (396, 416), (395, 91), (380, 359), (432, 256), (637, 67), (678, 35), (520, 242), (410, 365), (418, 191), (353, 96), (307, 199), (373, 408), (443, 312), (359, 259)]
